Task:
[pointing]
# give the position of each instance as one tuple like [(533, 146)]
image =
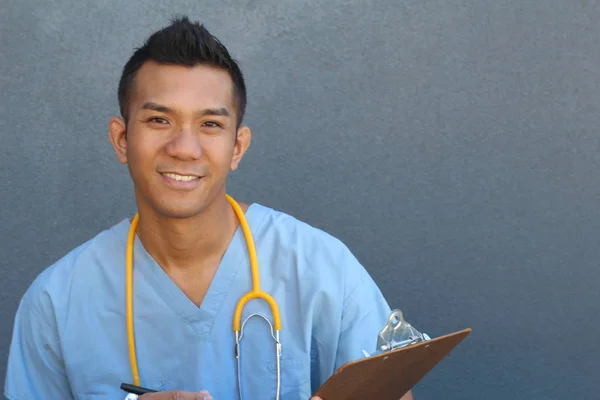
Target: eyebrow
[(218, 111)]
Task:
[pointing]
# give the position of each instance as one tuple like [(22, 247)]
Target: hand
[(316, 398), (177, 395)]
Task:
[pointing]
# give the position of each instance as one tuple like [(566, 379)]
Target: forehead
[(182, 87)]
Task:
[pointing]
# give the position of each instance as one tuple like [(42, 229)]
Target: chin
[(179, 211), (172, 207)]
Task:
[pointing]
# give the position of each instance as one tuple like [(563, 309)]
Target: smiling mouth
[(181, 178)]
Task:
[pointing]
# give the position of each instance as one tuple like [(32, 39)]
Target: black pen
[(135, 389)]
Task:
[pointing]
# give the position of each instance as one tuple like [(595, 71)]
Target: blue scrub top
[(70, 336)]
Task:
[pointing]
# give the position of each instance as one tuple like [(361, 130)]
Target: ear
[(242, 142), (117, 133)]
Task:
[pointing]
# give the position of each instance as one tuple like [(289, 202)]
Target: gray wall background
[(452, 144)]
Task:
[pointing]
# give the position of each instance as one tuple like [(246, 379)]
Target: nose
[(185, 145)]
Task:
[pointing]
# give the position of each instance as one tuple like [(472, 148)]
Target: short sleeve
[(35, 368), (365, 312)]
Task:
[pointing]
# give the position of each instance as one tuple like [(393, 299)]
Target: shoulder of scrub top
[(289, 232), (326, 255), (49, 288)]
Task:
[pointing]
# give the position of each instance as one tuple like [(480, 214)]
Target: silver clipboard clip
[(397, 333)]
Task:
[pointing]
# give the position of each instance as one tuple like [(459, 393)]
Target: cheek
[(141, 153), (218, 151), (136, 157)]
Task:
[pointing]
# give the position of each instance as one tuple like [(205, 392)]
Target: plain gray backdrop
[(451, 144)]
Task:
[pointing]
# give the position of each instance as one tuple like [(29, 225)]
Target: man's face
[(180, 141)]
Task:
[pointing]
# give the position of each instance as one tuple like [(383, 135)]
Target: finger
[(316, 398), (204, 395), (177, 395)]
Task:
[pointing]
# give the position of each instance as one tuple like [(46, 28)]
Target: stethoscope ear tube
[(238, 326), (239, 334)]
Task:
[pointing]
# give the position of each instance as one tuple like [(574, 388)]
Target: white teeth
[(184, 178)]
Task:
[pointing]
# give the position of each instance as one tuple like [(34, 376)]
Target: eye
[(212, 124), (158, 120)]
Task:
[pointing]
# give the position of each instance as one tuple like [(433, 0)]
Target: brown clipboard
[(391, 374)]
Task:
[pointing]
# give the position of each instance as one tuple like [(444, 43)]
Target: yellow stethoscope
[(238, 326)]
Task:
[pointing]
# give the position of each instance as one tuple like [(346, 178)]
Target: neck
[(188, 243)]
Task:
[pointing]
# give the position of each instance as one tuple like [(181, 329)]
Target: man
[(182, 101)]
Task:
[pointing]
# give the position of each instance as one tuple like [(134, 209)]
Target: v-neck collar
[(200, 318)]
